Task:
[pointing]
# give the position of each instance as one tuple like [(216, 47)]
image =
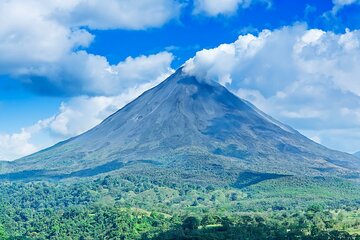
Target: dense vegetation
[(130, 207), (124, 223)]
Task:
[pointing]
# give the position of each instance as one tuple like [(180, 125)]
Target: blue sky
[(66, 65)]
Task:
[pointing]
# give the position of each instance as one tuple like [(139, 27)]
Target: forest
[(126, 223), (140, 208)]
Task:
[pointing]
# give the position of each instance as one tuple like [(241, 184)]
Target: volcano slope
[(189, 130)]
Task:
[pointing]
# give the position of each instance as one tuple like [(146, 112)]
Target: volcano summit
[(194, 129)]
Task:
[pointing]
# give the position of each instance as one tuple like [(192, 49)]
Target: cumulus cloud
[(83, 73), (306, 78), (15, 145), (36, 32), (19, 144), (40, 42), (29, 37), (223, 7)]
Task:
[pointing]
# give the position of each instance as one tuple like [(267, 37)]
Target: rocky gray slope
[(187, 124)]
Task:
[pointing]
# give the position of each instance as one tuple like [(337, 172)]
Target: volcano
[(188, 127)]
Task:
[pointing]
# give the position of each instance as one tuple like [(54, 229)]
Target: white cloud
[(19, 144), (306, 78), (82, 73), (15, 145), (40, 41), (126, 14), (223, 7), (29, 36), (338, 4)]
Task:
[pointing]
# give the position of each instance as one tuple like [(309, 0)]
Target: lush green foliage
[(135, 207), (125, 223), (313, 223), (3, 234)]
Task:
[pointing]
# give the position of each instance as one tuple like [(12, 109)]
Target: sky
[(65, 65)]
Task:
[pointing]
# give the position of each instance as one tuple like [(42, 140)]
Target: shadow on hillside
[(29, 175), (246, 179)]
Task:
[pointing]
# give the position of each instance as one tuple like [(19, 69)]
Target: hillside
[(191, 129)]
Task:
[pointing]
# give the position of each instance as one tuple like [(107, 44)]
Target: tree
[(191, 223), (3, 235), (226, 223)]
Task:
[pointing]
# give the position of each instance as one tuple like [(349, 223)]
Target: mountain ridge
[(187, 124)]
